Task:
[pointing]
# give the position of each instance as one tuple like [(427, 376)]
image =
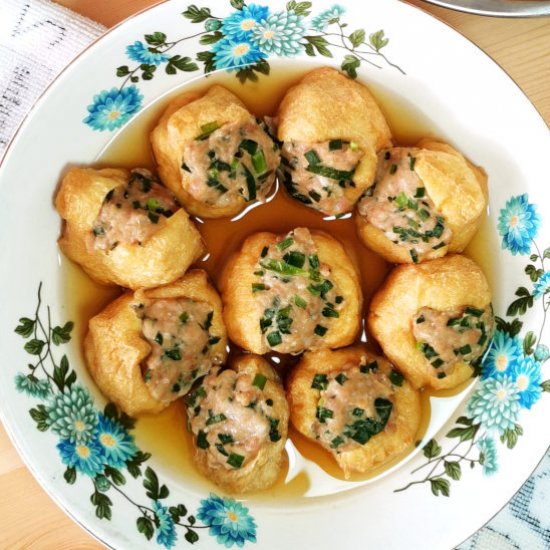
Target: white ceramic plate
[(481, 444)]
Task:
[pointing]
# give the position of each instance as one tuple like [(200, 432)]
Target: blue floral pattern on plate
[(511, 376), (241, 43), (98, 446)]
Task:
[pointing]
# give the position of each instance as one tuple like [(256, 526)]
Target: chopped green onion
[(329, 311), (331, 173), (396, 378), (207, 129), (259, 381), (335, 144), (393, 168), (174, 354), (319, 382), (289, 241), (300, 302), (312, 157), (249, 146), (314, 261), (341, 378), (274, 339), (250, 184), (320, 330), (370, 367), (184, 317), (159, 338), (202, 442), (259, 163), (153, 218), (215, 418), (258, 287), (208, 321), (283, 268), (294, 258), (322, 414), (235, 460), (470, 310)]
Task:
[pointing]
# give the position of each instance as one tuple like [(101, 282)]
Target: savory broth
[(165, 435)]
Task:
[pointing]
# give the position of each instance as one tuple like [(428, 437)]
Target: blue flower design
[(72, 415), (141, 53), (232, 53), (503, 353), (488, 455), (527, 377), (542, 286), (117, 444), (281, 34), (541, 353), (228, 519), (85, 458), (239, 24), (495, 404), (327, 17), (166, 530), (113, 108), (32, 386), (518, 224)]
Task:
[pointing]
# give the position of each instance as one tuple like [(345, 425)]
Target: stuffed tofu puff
[(239, 421), (332, 130), (288, 293), (427, 200), (355, 405), (434, 320), (124, 228), (147, 348), (213, 154)]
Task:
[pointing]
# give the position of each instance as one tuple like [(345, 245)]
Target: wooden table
[(29, 519)]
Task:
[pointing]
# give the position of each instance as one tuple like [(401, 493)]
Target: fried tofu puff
[(427, 200), (332, 129), (213, 154), (355, 405), (239, 421), (147, 348), (434, 320), (289, 293), (124, 228)]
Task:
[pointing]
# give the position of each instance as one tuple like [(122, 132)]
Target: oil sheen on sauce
[(165, 435)]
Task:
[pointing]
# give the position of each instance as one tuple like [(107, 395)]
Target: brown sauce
[(165, 435)]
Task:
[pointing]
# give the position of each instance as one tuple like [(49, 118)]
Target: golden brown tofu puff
[(256, 433), (161, 259), (115, 348), (242, 313), (348, 366), (183, 120), (444, 284), (458, 190), (327, 105)]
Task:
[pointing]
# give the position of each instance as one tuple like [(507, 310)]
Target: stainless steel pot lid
[(498, 8)]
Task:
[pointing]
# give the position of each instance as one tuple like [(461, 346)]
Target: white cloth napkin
[(37, 40)]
